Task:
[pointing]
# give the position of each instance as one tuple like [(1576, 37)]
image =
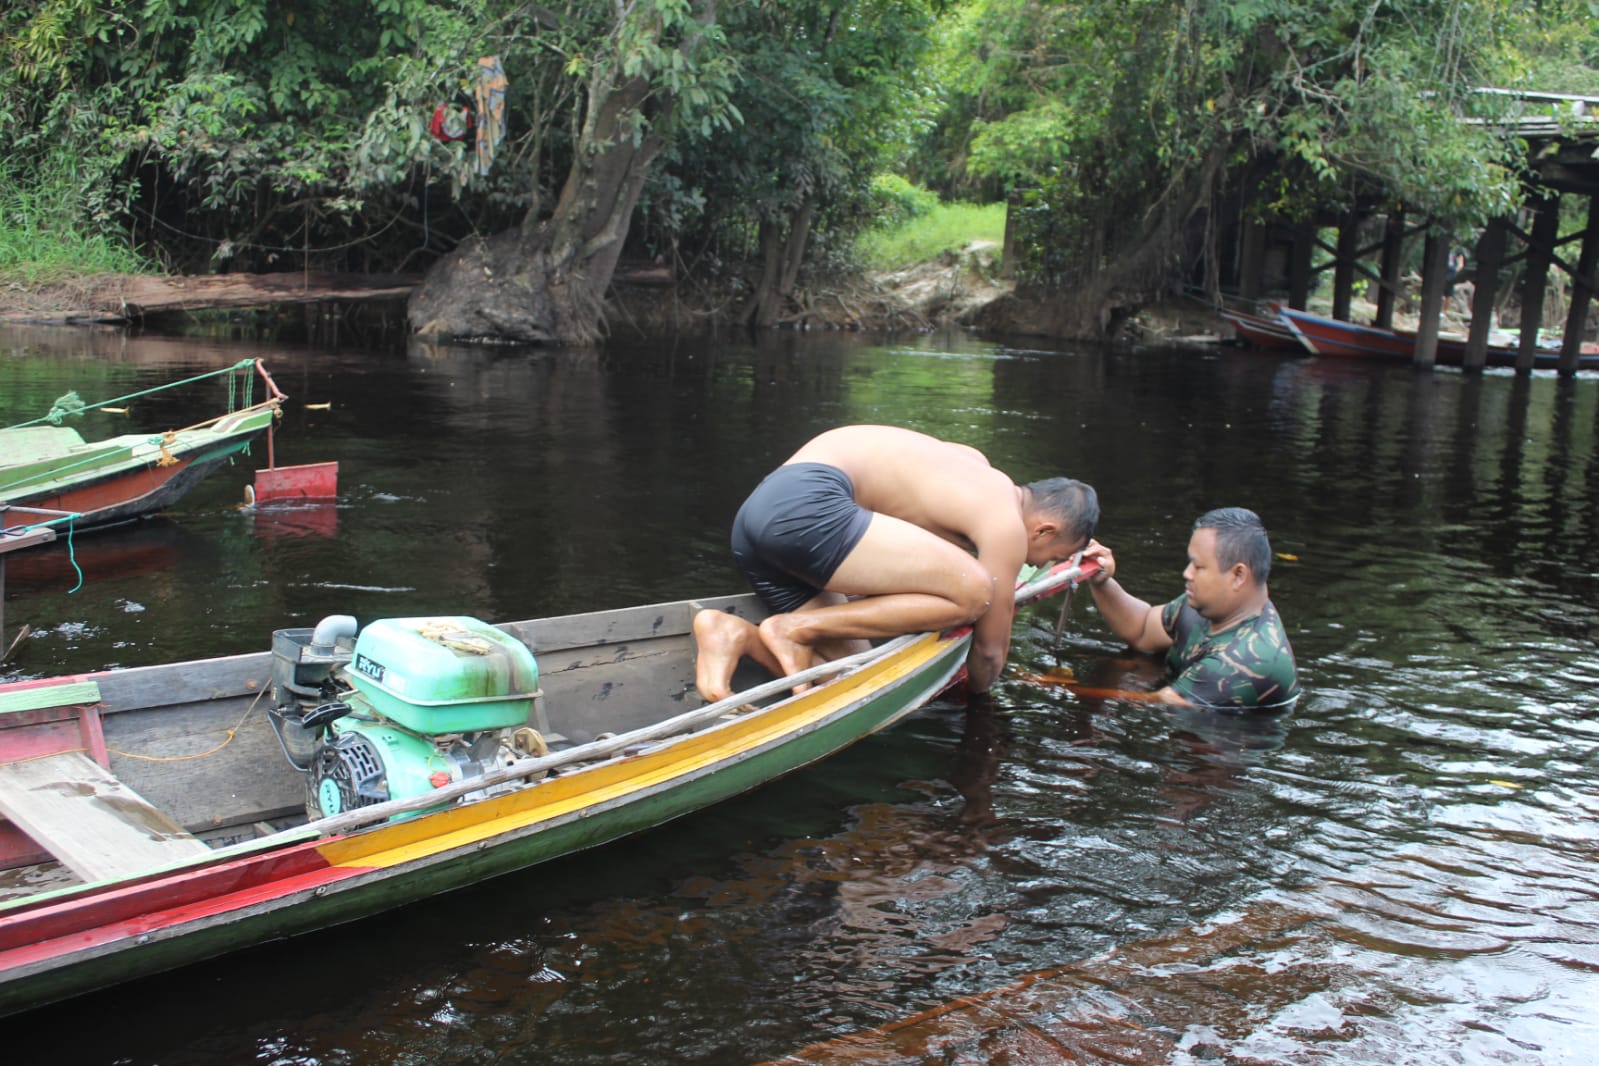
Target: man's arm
[(991, 637), (1001, 544), (1129, 617)]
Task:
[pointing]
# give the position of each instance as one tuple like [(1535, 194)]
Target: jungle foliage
[(1112, 124), (271, 134)]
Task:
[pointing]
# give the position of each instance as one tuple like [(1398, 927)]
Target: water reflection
[(1400, 871), (978, 755)]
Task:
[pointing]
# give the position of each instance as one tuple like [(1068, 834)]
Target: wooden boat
[(1262, 331), (1350, 340), (165, 814), (51, 468)]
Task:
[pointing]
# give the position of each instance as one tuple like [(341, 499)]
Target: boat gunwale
[(250, 672), (1356, 340), (126, 454), (331, 874)]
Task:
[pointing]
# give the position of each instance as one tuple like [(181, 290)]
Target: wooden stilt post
[(1344, 264), (1393, 239), (1434, 264), (1007, 247), (1490, 256), (1252, 259), (1545, 229), (1582, 293), (1299, 265)]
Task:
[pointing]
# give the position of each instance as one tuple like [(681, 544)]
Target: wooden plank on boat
[(72, 694), (142, 687), (94, 824)]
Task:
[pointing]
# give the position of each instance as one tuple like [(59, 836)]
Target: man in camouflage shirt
[(1223, 639)]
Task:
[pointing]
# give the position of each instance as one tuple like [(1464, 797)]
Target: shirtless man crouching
[(876, 531)]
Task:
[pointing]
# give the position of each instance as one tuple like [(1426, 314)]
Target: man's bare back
[(946, 488), (874, 531)]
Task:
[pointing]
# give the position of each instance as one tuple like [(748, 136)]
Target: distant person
[(1458, 286), (877, 531), (1225, 645), (1455, 271)]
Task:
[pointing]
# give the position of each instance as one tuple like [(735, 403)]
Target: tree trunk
[(781, 258), (544, 283), (1094, 307)]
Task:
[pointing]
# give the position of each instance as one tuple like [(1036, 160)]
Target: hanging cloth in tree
[(490, 93), (451, 123)]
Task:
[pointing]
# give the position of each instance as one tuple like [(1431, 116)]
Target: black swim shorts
[(794, 531)]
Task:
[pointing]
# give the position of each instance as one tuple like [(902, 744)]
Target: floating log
[(122, 297)]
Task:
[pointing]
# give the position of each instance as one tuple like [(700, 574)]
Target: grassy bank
[(46, 237), (943, 228)]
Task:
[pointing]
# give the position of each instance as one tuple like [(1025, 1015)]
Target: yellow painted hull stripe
[(568, 793)]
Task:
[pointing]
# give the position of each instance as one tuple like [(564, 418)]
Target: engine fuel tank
[(444, 674)]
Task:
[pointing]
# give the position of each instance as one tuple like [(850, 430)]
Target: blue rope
[(72, 556)]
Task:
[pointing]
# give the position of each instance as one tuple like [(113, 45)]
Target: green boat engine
[(417, 704)]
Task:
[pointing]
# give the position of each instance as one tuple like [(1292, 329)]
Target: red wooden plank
[(89, 728), (307, 481), (18, 848), (41, 739)]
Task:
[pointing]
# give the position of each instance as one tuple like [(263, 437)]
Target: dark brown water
[(1402, 871)]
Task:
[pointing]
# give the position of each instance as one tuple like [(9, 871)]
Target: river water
[(1403, 870)]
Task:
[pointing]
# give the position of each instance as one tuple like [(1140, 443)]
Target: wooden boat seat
[(95, 825), (30, 444)]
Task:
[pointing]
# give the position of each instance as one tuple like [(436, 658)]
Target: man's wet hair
[(1240, 538), (1074, 502)]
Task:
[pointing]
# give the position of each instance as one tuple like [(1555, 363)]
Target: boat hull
[(1262, 332), (86, 937), (1349, 340), (133, 476)]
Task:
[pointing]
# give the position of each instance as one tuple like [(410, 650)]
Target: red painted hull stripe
[(73, 925)]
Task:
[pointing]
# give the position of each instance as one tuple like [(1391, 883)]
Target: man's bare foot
[(722, 639), (776, 633)]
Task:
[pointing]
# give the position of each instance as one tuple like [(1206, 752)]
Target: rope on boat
[(72, 552), (69, 517), (228, 737), (69, 404)]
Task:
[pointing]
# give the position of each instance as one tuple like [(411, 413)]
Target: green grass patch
[(945, 228), (46, 238)]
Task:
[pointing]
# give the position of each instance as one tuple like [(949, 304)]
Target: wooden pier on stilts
[(1274, 256)]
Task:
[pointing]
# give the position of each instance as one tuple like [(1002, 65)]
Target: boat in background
[(1262, 331), (1350, 340), (48, 467), (166, 814)]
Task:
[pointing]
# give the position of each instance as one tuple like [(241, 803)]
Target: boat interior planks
[(96, 825)]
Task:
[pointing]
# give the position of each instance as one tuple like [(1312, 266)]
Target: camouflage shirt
[(1248, 666)]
